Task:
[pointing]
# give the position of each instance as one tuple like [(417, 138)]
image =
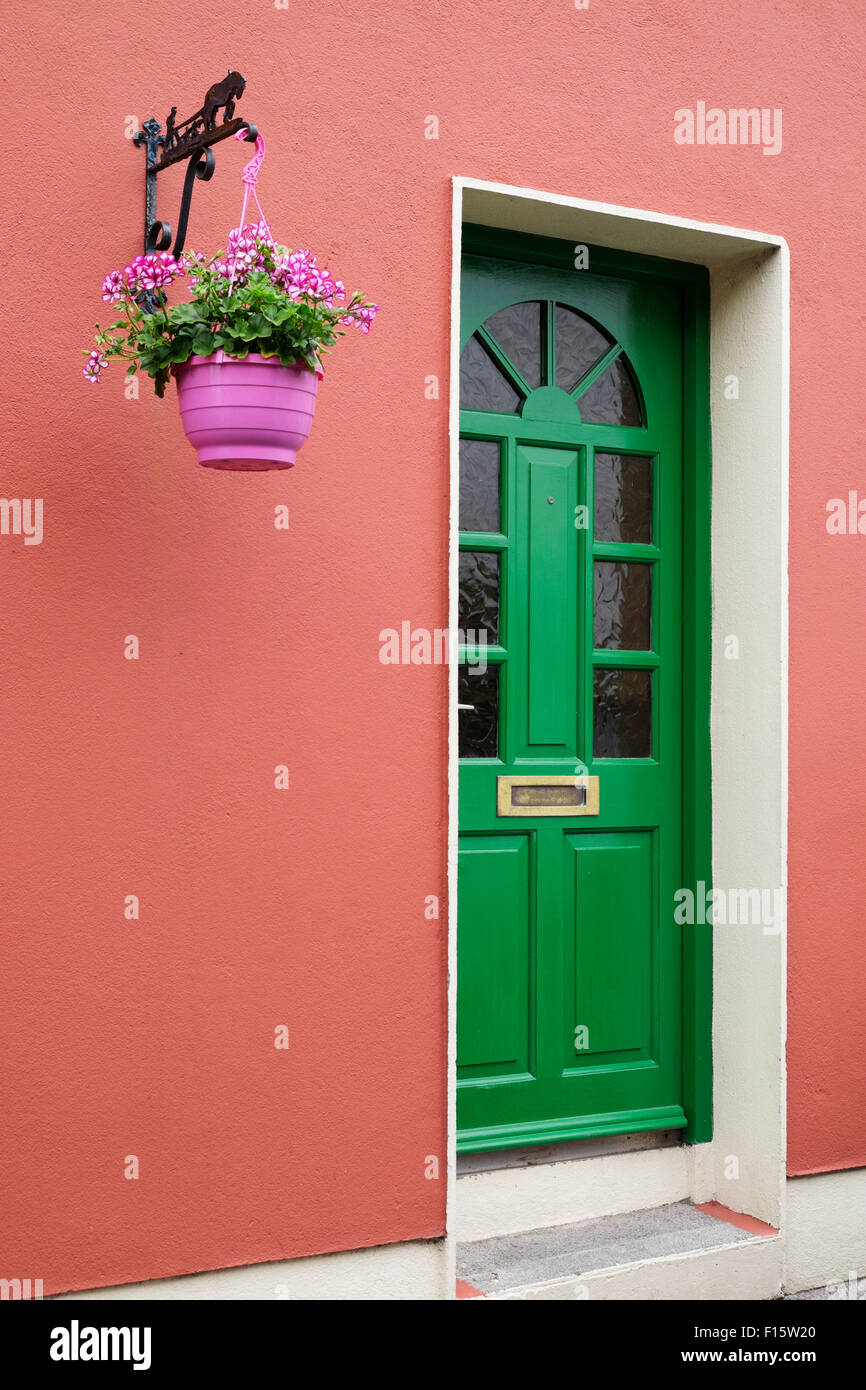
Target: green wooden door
[(571, 615)]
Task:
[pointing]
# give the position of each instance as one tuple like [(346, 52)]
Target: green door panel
[(552, 559), (494, 967), (570, 963), (609, 947)]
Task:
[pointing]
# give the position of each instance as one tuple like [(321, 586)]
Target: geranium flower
[(361, 316), (112, 287), (154, 271), (95, 365)]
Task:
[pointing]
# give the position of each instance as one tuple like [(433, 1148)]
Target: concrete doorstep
[(667, 1252)]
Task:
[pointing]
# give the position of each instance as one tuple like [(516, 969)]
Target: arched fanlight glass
[(508, 358)]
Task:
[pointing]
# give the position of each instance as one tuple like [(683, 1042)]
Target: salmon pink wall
[(259, 647)]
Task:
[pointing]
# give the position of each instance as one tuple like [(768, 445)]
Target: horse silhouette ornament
[(223, 94), (183, 138)]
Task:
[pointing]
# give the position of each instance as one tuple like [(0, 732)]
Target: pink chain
[(251, 170), (249, 178)]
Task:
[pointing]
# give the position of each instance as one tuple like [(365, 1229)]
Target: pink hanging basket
[(248, 414)]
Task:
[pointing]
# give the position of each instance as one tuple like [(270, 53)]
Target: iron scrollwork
[(190, 139)]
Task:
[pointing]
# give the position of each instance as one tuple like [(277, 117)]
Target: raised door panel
[(494, 946)]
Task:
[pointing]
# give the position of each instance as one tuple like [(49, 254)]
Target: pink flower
[(154, 271), (192, 260), (361, 316), (112, 287), (250, 234), (246, 251), (95, 365), (299, 274)]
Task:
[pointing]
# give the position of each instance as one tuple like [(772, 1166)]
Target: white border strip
[(625, 228), (453, 780)]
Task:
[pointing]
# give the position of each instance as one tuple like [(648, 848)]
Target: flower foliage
[(254, 297)]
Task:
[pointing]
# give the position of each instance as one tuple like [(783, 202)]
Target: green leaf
[(186, 313)]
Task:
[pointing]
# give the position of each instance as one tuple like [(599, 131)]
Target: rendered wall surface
[(260, 647)]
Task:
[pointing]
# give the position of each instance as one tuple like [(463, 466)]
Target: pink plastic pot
[(248, 413)]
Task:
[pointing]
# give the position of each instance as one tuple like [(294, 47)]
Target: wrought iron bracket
[(190, 139)]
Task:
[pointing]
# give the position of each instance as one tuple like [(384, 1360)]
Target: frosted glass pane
[(479, 485), (612, 399), (482, 384), (517, 330), (623, 605), (623, 498), (579, 345), (623, 714), (479, 594), (478, 724)]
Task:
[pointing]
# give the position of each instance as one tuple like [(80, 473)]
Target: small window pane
[(579, 345), (479, 595), (623, 714), (612, 399), (623, 498), (517, 330), (479, 485), (482, 385), (623, 606), (478, 721)]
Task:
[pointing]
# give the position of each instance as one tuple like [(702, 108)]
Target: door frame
[(750, 319)]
